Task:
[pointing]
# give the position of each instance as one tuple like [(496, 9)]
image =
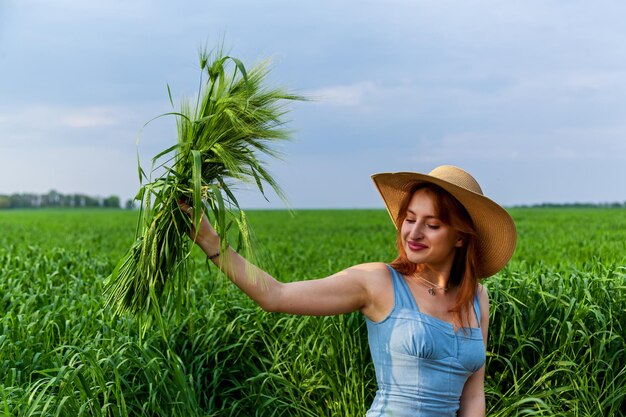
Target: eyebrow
[(430, 216)]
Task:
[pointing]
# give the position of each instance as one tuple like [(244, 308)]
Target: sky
[(528, 96)]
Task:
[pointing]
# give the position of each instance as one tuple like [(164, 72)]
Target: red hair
[(463, 273)]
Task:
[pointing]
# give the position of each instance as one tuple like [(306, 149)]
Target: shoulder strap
[(402, 293), (477, 306)]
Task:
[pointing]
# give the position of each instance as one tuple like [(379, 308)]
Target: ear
[(459, 241)]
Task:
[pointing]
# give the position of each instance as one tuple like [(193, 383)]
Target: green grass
[(557, 338)]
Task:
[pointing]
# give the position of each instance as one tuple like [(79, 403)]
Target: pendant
[(431, 291)]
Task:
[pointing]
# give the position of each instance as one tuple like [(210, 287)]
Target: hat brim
[(497, 235)]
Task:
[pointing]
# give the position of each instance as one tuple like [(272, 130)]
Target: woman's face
[(426, 239)]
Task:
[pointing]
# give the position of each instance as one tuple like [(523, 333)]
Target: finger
[(184, 207)]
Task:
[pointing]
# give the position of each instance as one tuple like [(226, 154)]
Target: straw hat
[(496, 231)]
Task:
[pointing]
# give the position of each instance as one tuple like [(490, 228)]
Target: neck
[(438, 278)]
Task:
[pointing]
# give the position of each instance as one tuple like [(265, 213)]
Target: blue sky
[(529, 97)]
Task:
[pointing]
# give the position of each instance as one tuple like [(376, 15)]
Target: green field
[(556, 348)]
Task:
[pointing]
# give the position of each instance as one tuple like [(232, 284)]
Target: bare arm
[(473, 396), (343, 292)]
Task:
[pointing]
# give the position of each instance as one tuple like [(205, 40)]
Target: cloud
[(602, 144), (567, 144), (54, 115), (353, 95), (90, 117), (44, 127)]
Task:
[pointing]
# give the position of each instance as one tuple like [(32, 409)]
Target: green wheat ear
[(223, 133)]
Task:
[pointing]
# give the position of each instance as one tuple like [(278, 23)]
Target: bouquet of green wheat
[(222, 133)]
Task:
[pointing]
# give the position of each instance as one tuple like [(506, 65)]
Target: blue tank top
[(421, 364)]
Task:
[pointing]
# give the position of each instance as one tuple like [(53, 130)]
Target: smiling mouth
[(416, 246)]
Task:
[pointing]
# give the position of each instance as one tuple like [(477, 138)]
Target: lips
[(416, 246)]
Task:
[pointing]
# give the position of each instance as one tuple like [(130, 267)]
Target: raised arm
[(346, 291)]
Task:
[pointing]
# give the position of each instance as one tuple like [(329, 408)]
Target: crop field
[(557, 344)]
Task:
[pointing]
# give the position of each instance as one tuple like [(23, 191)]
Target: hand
[(202, 234)]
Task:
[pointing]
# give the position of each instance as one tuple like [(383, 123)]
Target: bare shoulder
[(372, 273), (483, 294), (376, 280), (482, 290), (367, 276), (371, 268)]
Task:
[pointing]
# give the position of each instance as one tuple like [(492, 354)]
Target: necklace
[(431, 285)]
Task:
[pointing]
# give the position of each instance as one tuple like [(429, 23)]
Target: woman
[(426, 314)]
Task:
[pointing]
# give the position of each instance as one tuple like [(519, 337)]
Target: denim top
[(421, 364)]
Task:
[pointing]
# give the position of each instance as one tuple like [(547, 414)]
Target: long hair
[(463, 273)]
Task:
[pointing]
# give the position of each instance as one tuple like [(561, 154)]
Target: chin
[(414, 258)]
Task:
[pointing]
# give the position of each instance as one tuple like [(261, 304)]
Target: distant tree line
[(615, 204), (56, 199)]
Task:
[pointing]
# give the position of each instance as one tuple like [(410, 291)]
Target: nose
[(417, 231)]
